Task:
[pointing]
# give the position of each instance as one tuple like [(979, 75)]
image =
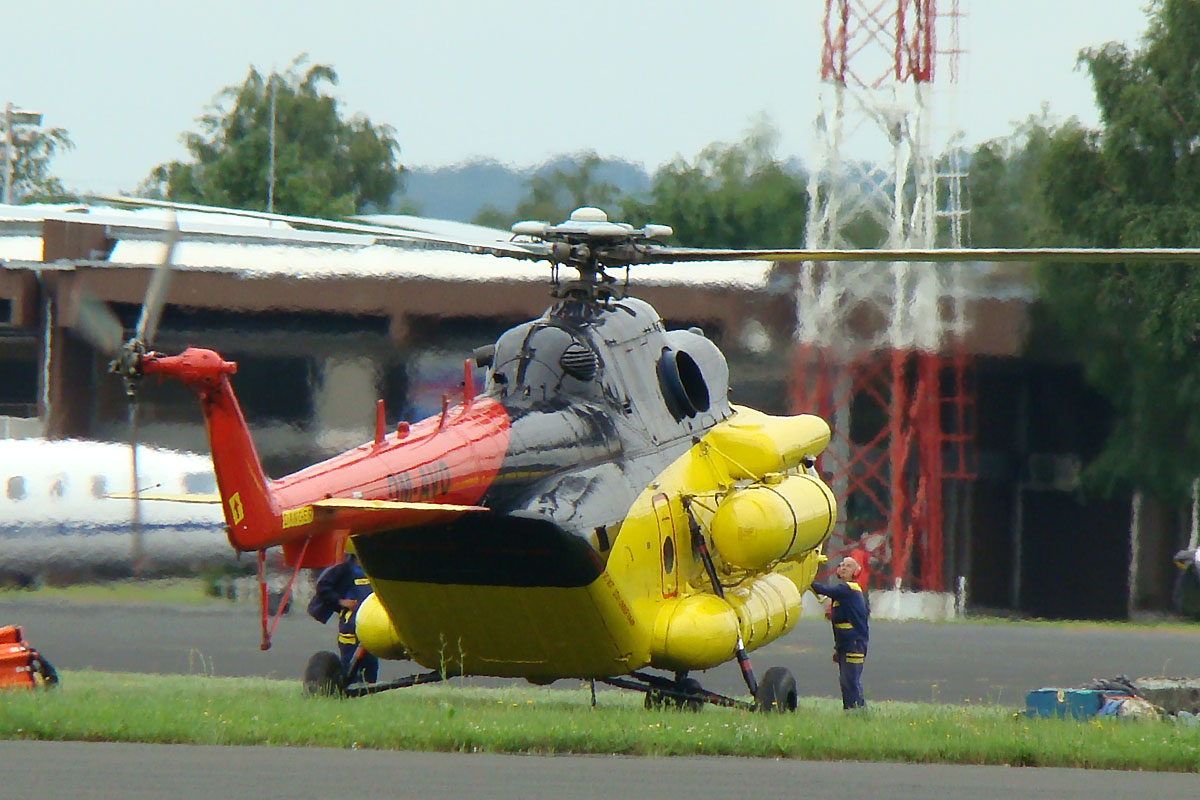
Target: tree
[(1136, 182), (324, 165), (735, 195), (31, 178), (1008, 207), (553, 194)]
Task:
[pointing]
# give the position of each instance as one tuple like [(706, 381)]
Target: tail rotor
[(99, 325)]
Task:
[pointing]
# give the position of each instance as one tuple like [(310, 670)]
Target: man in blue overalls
[(850, 630), (343, 587)]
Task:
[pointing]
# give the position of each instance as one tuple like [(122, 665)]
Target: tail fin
[(251, 512)]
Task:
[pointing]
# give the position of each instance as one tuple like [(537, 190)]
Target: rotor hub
[(590, 243)]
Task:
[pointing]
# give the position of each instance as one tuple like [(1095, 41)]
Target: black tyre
[(776, 691), (323, 674)]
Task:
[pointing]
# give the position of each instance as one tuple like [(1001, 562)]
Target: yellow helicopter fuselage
[(652, 603)]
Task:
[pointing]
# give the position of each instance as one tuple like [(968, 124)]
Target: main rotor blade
[(521, 250), (1097, 255), (664, 255), (334, 225), (156, 291)]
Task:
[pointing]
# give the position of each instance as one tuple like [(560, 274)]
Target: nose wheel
[(776, 691)]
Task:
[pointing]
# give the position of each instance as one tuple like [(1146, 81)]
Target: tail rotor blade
[(156, 292), (129, 365), (137, 552), (97, 323)]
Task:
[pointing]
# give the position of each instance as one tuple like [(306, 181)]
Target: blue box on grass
[(1062, 703)]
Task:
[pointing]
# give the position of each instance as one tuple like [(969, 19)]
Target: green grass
[(166, 591), (97, 706)]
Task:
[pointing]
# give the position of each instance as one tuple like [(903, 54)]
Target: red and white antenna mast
[(879, 347)]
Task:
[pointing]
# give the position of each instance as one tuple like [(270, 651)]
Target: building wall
[(1041, 543)]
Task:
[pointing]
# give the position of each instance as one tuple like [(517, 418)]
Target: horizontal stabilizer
[(366, 516), (391, 505), (329, 502), (210, 499)]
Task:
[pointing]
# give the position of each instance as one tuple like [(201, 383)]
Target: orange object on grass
[(21, 667)]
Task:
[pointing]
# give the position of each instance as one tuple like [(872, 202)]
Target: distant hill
[(460, 191)]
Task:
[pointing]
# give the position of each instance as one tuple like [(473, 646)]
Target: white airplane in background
[(57, 515)]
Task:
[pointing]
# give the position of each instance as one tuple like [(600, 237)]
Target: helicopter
[(597, 510)]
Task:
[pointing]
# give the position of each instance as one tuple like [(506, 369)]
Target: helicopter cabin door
[(668, 560)]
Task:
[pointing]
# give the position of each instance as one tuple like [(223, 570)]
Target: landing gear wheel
[(776, 691), (323, 675)]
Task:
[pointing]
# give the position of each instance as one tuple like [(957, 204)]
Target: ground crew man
[(341, 589), (850, 629), (1186, 596)]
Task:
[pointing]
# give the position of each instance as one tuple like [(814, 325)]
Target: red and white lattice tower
[(879, 346)]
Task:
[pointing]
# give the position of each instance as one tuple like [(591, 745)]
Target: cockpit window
[(199, 483), (16, 487)]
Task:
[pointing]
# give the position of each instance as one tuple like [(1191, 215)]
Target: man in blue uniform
[(342, 588), (1186, 596), (850, 629)]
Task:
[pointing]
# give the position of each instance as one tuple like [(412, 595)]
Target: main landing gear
[(775, 693), (323, 675)]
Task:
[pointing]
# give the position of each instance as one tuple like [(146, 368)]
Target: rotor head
[(590, 243)]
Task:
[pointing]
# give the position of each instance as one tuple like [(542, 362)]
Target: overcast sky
[(517, 81)]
